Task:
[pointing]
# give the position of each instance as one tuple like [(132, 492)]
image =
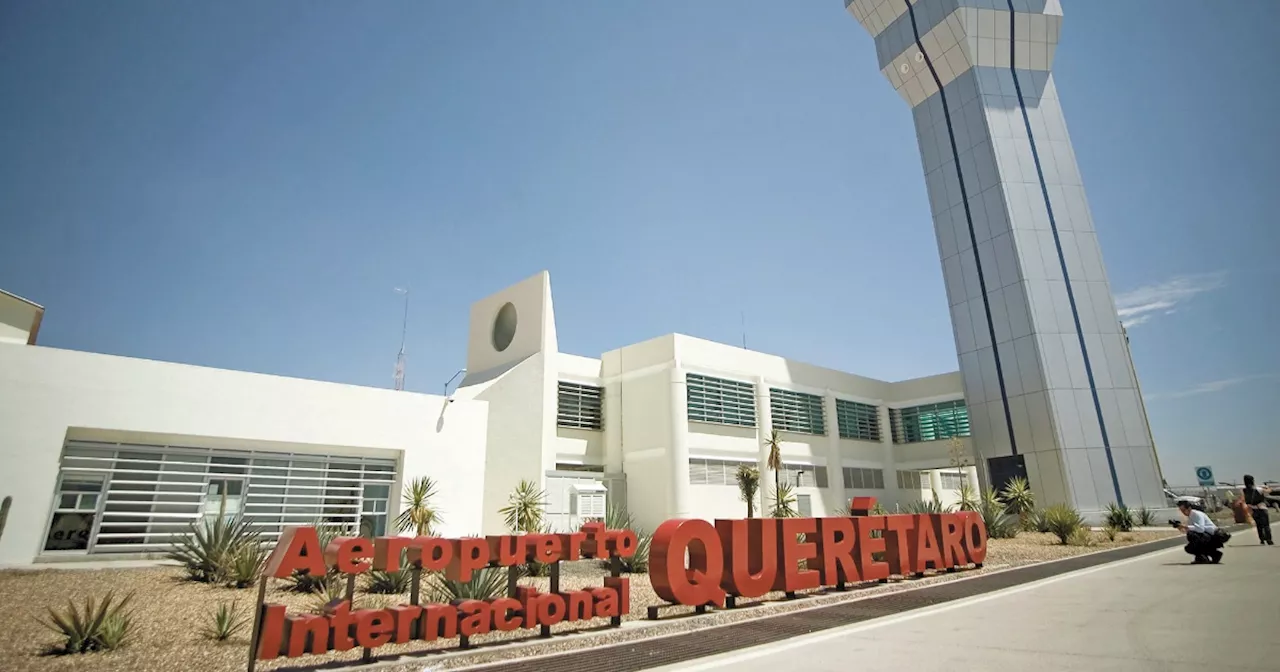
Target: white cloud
[(1140, 305), (1212, 386)]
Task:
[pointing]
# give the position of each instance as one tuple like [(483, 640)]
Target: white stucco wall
[(45, 393)]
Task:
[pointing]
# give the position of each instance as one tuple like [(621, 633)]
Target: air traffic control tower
[(1047, 376)]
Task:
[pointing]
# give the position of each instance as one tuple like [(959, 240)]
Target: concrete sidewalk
[(1156, 612)]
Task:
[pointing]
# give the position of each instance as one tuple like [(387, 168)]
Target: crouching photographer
[(1204, 539)]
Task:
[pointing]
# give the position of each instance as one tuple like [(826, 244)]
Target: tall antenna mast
[(404, 330)]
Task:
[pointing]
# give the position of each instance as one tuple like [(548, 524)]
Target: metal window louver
[(720, 401), (580, 406), (800, 412)]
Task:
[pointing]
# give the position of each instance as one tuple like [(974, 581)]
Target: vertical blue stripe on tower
[(1062, 260), (973, 237)]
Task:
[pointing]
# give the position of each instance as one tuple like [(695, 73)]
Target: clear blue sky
[(241, 185)]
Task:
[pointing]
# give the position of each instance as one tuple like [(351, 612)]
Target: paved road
[(1155, 612)]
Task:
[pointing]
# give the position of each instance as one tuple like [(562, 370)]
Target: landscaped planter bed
[(170, 613)]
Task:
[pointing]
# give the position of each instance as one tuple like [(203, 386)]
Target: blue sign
[(1205, 475)]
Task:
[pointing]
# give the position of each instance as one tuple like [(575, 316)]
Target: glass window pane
[(88, 502), (67, 502)]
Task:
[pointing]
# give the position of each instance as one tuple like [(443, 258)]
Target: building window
[(930, 422), (858, 478), (147, 496), (857, 421), (720, 401), (580, 406), (714, 472), (951, 480), (804, 506), (793, 411), (803, 475), (912, 480)]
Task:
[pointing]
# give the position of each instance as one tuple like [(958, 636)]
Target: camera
[(1174, 523)]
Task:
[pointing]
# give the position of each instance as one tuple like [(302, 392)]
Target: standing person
[(1201, 534), (1256, 499)]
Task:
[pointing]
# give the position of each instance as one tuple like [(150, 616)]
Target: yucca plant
[(99, 626), (304, 582), (524, 509), (995, 516), (209, 549), (486, 584), (748, 479), (1111, 532), (418, 513), (389, 583), (225, 622), (1063, 521), (1146, 517), (784, 502), (1081, 537), (1120, 517)]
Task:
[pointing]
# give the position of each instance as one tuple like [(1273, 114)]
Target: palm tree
[(524, 509), (418, 513), (748, 486), (774, 462)]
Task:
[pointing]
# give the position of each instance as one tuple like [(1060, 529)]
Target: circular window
[(504, 327)]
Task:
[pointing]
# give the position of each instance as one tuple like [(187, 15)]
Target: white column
[(887, 461), (613, 427), (678, 455), (764, 423), (835, 465), (935, 482)]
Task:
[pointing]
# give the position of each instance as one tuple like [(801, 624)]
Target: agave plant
[(748, 479), (1018, 497), (524, 511), (332, 588), (996, 518), (246, 564), (100, 625), (1120, 517), (389, 583), (968, 497), (1146, 517), (1063, 521), (225, 622), (209, 550), (617, 518), (419, 514), (485, 584), (933, 505)]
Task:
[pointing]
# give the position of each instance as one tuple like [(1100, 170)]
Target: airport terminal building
[(114, 455)]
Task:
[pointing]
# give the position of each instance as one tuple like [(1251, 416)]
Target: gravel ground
[(170, 613)]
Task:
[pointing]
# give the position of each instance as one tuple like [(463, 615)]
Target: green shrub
[(996, 518), (1063, 521), (389, 583), (99, 626), (485, 584), (1120, 517), (332, 589), (1146, 517), (208, 552), (1035, 521), (225, 622), (927, 506), (1111, 532)]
